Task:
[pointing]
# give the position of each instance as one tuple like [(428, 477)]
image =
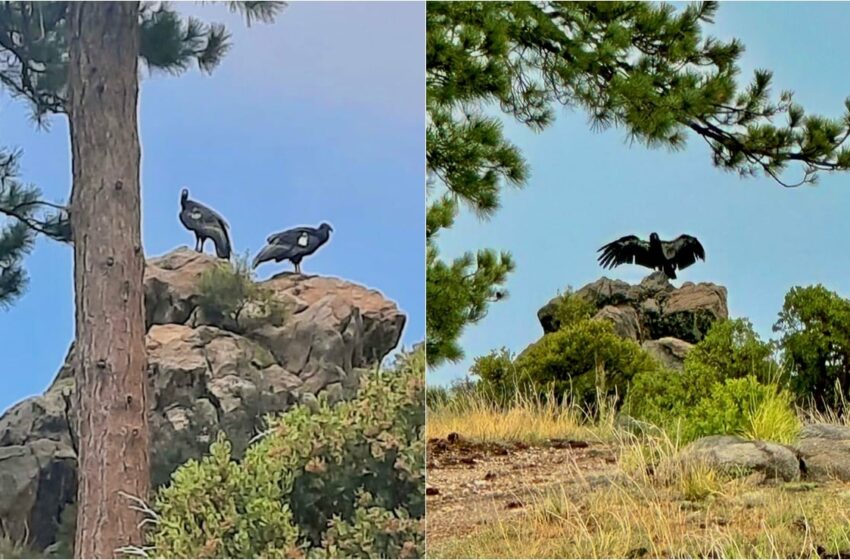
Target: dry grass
[(656, 506), (633, 521), (530, 420), (668, 511)]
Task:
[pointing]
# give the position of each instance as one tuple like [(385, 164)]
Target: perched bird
[(293, 245), (205, 223), (667, 256)]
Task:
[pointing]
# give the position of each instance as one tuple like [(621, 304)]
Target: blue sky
[(318, 117), (588, 188)]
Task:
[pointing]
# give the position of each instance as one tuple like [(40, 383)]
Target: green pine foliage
[(20, 206), (346, 481), (645, 68), (33, 40)]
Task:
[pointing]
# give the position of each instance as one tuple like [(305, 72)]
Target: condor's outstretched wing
[(626, 250), (683, 251)]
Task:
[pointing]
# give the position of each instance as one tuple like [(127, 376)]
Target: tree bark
[(103, 89)]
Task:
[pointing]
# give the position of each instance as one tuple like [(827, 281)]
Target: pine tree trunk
[(103, 87)]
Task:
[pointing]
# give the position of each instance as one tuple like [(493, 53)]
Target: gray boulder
[(738, 456), (824, 450)]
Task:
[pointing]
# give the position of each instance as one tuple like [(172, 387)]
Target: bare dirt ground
[(472, 484)]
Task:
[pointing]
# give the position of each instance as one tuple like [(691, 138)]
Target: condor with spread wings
[(667, 256)]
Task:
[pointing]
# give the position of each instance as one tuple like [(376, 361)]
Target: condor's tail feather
[(268, 253), (221, 238)]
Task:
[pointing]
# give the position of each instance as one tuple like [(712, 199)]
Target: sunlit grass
[(683, 511), (654, 505), (529, 419)]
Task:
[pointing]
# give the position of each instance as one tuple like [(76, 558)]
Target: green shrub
[(659, 397), (729, 385), (744, 407), (730, 350), (815, 338), (344, 481), (584, 361), (499, 379), (228, 293), (570, 309)]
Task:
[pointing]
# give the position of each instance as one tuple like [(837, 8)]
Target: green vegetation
[(20, 202), (34, 68), (586, 362), (228, 292), (814, 326), (570, 309), (729, 385), (647, 69), (732, 382), (345, 481), (743, 407)]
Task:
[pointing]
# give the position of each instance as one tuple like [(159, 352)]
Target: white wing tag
[(303, 240)]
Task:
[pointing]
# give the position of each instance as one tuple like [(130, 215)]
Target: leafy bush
[(344, 481), (815, 336), (570, 309), (729, 385), (500, 380), (730, 350), (228, 293), (744, 407), (659, 397), (584, 361)]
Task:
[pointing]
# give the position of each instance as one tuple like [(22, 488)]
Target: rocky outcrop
[(658, 308), (824, 451), (204, 377), (665, 320), (737, 456)]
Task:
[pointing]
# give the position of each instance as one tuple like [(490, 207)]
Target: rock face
[(659, 309), (738, 456), (203, 378), (665, 320), (668, 351), (824, 451)]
